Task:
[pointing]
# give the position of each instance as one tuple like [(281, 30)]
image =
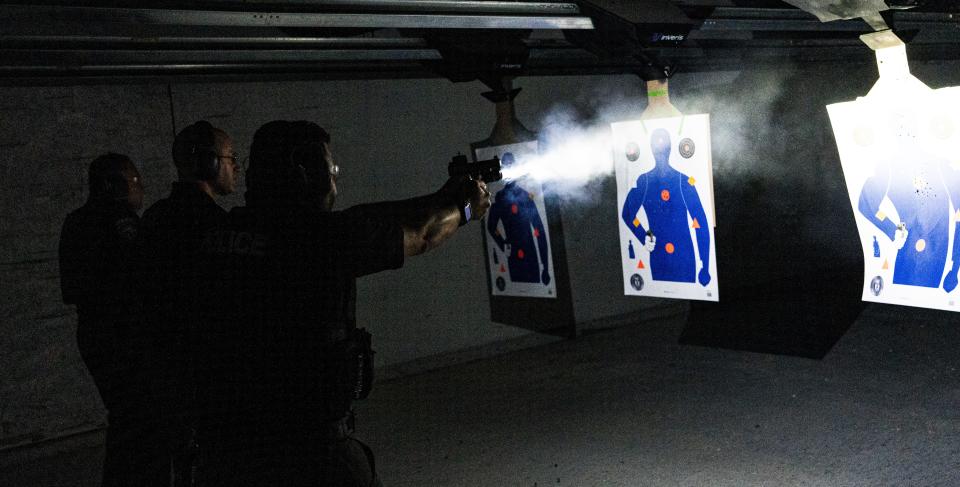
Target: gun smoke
[(572, 156), (773, 151), (576, 154)]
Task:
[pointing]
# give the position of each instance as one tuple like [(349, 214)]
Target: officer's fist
[(479, 198)]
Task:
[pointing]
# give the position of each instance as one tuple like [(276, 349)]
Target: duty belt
[(334, 332), (334, 430)]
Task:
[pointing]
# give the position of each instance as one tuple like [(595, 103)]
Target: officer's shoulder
[(156, 211), (75, 222), (74, 216), (87, 216), (119, 211), (341, 219), (240, 212), (76, 213), (245, 216), (158, 207), (352, 213)]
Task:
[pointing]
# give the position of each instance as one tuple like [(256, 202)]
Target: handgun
[(488, 171)]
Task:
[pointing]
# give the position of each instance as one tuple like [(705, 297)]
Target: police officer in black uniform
[(176, 279), (97, 248), (304, 358)]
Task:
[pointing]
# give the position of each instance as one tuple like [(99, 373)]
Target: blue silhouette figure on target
[(668, 197), (524, 238), (922, 190)]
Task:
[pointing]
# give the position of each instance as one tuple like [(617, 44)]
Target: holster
[(185, 461), (353, 366), (363, 357)]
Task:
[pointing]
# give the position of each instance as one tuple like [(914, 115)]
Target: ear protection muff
[(301, 156), (115, 186), (106, 177), (206, 160)]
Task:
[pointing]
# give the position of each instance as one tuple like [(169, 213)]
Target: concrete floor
[(630, 407)]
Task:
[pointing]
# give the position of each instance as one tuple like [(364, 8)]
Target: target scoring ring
[(687, 148)]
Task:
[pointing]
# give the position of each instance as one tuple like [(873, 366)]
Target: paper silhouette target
[(900, 152), (518, 239), (666, 208)]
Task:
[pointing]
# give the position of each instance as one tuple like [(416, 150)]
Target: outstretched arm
[(493, 219), (632, 205), (428, 221), (872, 194), (700, 224), (951, 180), (541, 235)]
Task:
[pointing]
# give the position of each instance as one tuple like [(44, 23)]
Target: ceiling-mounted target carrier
[(110, 41)]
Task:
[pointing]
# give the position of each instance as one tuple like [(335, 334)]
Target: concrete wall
[(47, 139)]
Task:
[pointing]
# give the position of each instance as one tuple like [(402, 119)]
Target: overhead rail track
[(58, 42)]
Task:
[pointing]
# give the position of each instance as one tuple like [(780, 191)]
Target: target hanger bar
[(517, 7), (85, 42), (474, 6), (284, 19), (774, 19), (237, 69), (775, 25), (69, 58)]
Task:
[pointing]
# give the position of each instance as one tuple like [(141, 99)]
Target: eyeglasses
[(233, 158)]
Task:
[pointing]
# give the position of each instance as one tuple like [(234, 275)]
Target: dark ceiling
[(62, 42)]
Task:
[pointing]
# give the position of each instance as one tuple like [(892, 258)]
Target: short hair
[(193, 139), (105, 176), (278, 148)]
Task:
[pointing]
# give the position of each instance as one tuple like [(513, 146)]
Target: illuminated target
[(863, 136), (898, 150), (941, 127), (520, 260), (687, 148), (666, 210), (633, 152)]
